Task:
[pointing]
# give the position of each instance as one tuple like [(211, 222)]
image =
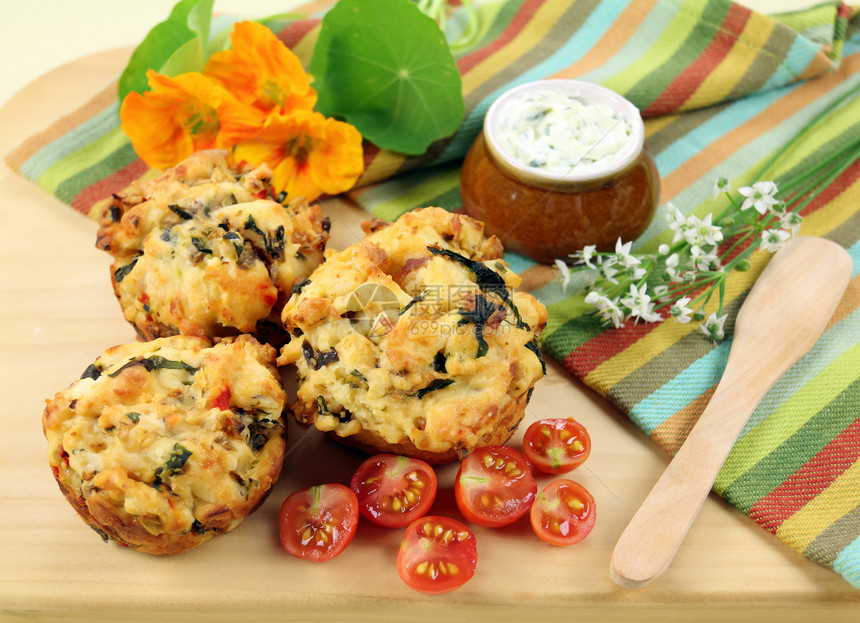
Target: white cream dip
[(557, 132)]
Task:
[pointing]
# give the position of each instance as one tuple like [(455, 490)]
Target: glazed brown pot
[(548, 217)]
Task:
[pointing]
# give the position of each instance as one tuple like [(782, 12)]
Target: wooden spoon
[(783, 316)]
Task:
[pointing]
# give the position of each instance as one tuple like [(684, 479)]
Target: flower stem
[(850, 94), (694, 266), (733, 262)]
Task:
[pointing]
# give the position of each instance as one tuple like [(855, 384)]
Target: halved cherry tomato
[(393, 491), (437, 555), (556, 445), (563, 513), (317, 523), (494, 486)]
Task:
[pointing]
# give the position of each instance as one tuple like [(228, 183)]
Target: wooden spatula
[(781, 319)]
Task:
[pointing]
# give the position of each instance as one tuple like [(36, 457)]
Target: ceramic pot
[(546, 215)]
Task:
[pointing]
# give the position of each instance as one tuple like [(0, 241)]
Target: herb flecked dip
[(558, 132)]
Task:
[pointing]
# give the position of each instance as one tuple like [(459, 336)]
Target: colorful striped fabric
[(722, 88)]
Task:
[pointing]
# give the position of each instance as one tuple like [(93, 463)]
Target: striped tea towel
[(721, 88)]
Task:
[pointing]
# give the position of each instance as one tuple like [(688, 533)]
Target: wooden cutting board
[(58, 313)]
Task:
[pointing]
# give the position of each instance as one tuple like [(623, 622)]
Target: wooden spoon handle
[(781, 319), (651, 539)]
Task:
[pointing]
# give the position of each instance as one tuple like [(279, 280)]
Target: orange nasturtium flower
[(179, 116), (309, 154), (261, 71)]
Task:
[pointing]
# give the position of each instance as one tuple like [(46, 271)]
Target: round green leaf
[(183, 34), (385, 67)]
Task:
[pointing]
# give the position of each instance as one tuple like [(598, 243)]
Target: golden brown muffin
[(162, 445), (413, 340), (203, 250)]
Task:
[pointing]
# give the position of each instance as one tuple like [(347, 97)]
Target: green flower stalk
[(686, 274)]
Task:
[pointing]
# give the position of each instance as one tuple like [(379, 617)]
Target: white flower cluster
[(694, 265), (702, 236), (762, 197), (634, 302)]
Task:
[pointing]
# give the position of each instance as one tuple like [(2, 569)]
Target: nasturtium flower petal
[(310, 154), (179, 116), (261, 71)]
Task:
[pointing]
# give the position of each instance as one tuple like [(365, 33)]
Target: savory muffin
[(204, 250), (162, 445), (414, 341)]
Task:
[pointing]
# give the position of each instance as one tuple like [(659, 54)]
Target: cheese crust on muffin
[(162, 445), (414, 340), (204, 250)]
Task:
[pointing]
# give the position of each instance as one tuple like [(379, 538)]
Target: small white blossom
[(791, 221), (629, 262), (636, 272), (635, 296), (565, 274), (767, 187), (649, 315), (713, 327), (759, 196), (663, 249), (611, 313), (607, 310), (676, 221), (661, 292), (609, 271), (773, 239), (586, 254), (680, 311), (672, 266), (778, 208), (640, 305), (691, 234), (622, 252), (702, 259), (705, 232), (722, 185)]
